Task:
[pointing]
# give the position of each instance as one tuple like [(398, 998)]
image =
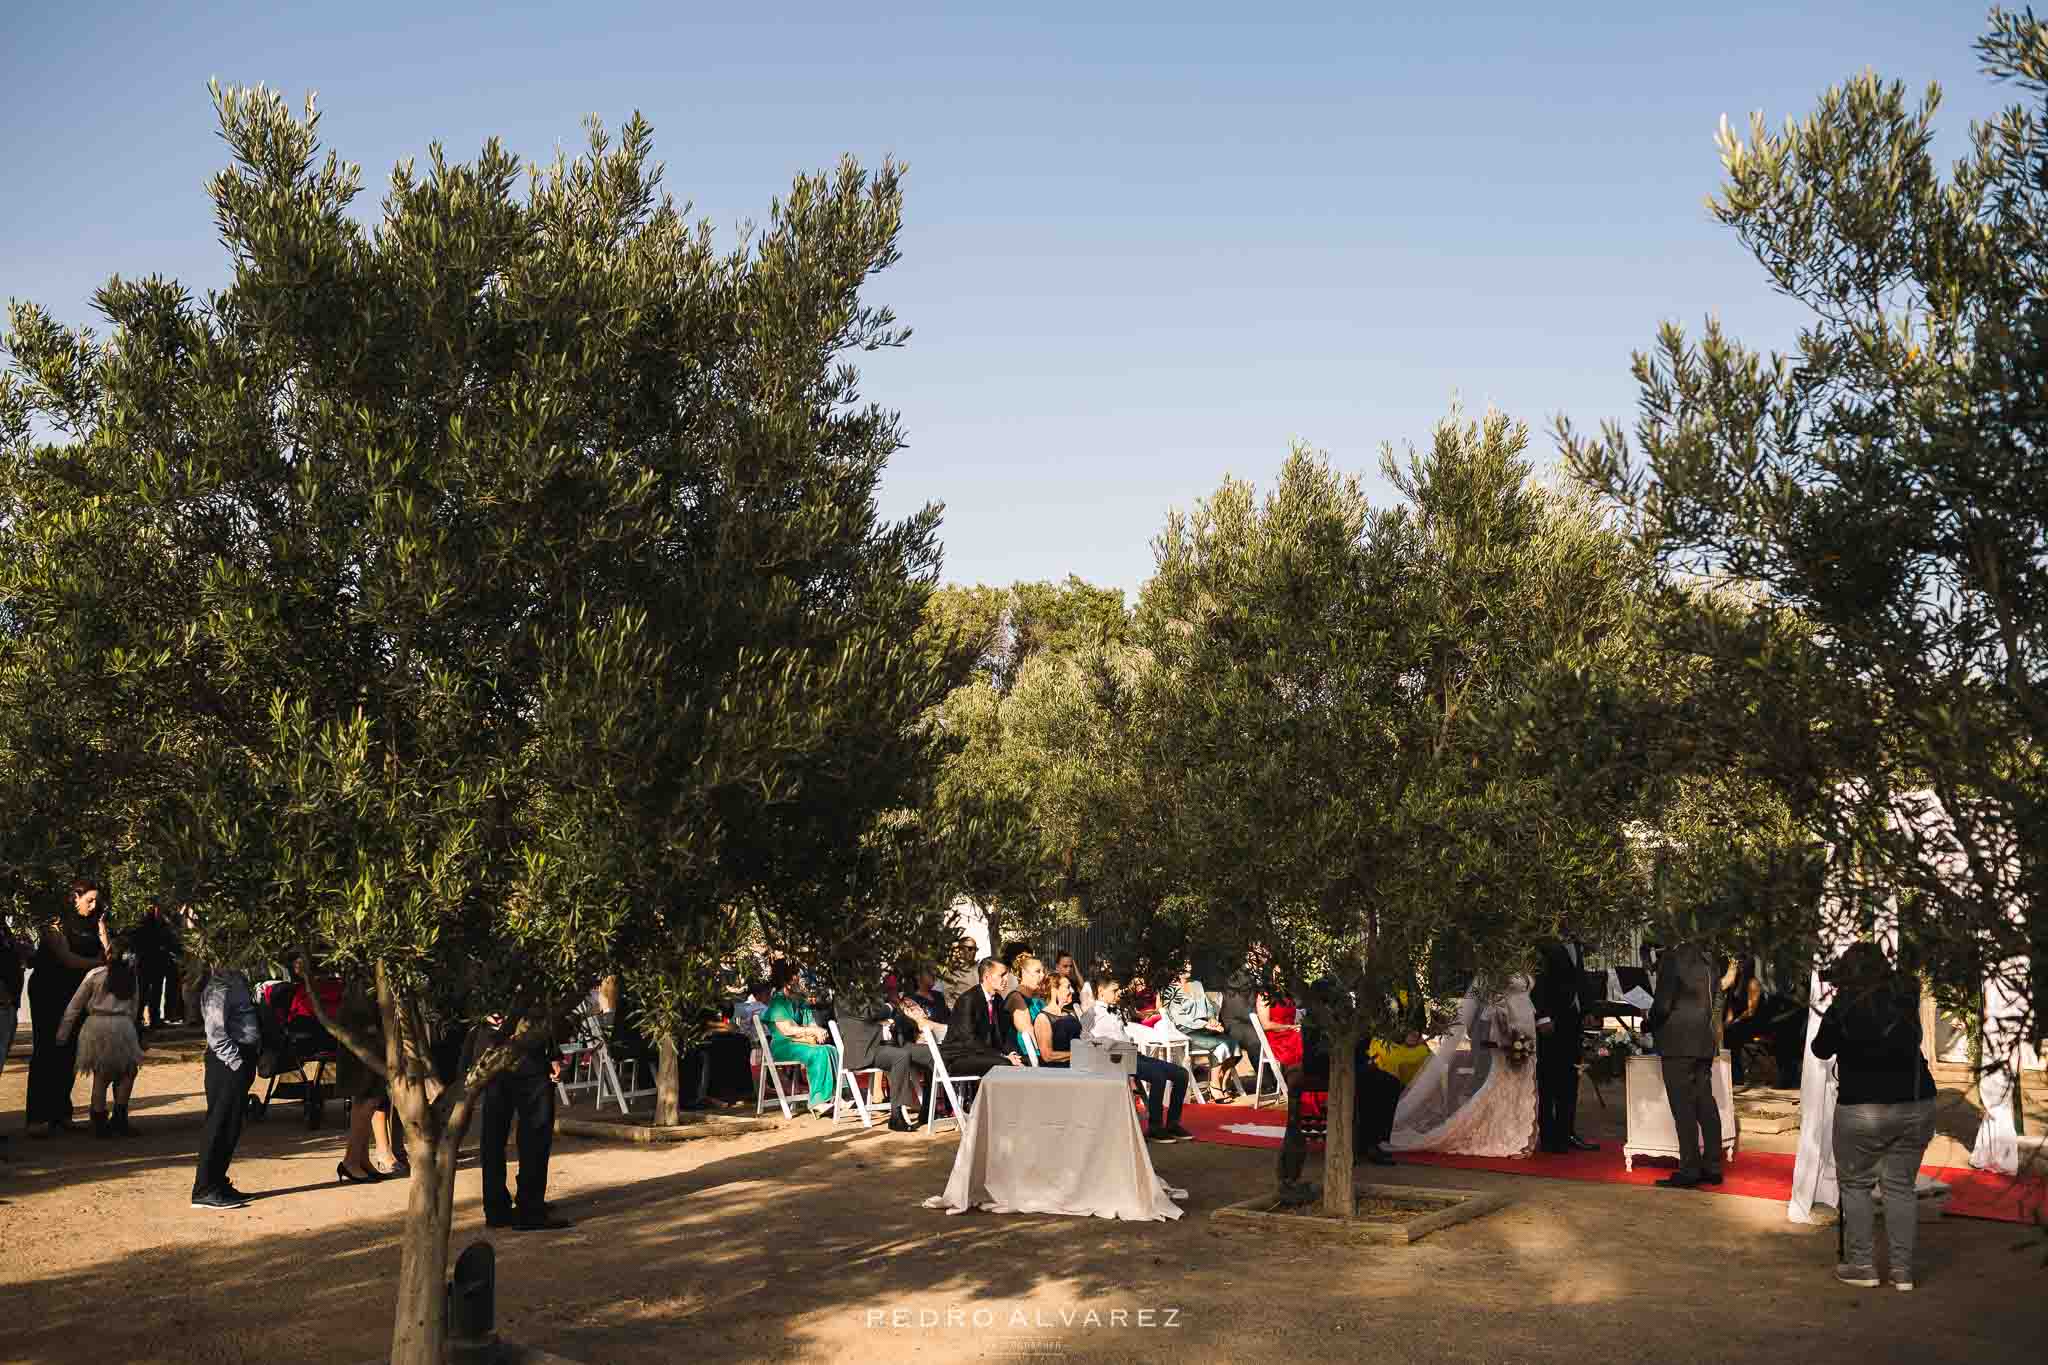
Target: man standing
[(1559, 998), (1682, 1019), (232, 1038), (525, 1097)]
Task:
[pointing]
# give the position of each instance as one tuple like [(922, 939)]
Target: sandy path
[(802, 1245)]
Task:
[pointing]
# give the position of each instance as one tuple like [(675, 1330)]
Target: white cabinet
[(1651, 1131)]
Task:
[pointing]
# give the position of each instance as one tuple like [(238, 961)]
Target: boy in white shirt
[(1104, 1022)]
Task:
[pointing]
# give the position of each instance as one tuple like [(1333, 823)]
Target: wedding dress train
[(1469, 1098)]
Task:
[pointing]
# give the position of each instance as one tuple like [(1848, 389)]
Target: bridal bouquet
[(1519, 1047)]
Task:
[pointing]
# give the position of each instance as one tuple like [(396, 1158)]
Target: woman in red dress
[(1283, 1031)]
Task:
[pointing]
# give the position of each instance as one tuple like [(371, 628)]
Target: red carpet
[(1758, 1175)]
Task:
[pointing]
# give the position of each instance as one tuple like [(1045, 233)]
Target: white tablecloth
[(1049, 1140)]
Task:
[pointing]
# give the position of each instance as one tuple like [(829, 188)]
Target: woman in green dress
[(795, 1036)]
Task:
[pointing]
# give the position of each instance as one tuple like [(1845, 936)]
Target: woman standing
[(1884, 1117), (73, 943), (795, 1036)]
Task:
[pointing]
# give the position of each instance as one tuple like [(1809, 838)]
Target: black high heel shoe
[(341, 1172)]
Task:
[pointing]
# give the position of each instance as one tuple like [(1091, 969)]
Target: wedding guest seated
[(1743, 1018), (1055, 1026), (1281, 1020), (794, 1035), (1063, 965), (1155, 1075), (1187, 1008), (1234, 1016), (1140, 1001), (980, 1037), (1023, 1004), (899, 1053), (751, 1006), (930, 996), (1402, 1059)]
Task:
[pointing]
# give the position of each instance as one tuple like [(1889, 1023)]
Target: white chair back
[(942, 1080), (852, 1082), (1268, 1066), (771, 1074)]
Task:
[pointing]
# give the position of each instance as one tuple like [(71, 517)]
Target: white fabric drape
[(1998, 1142), (1813, 1169), (1056, 1141)]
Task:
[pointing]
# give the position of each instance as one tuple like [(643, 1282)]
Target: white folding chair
[(771, 1074), (1267, 1065), (580, 1070), (942, 1081), (1030, 1048), (852, 1082)]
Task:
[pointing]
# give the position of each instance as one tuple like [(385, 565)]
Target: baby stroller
[(294, 1052)]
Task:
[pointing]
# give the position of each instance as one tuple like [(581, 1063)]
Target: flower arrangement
[(1519, 1047), (1606, 1061)]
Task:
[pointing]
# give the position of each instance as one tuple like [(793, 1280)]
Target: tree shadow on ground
[(790, 1252)]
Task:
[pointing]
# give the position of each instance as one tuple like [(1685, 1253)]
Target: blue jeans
[(1885, 1142), (1155, 1076)]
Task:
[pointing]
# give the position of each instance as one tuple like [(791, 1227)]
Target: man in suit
[(1683, 1021), (1561, 1005), (900, 1060), (522, 1099), (978, 1036)]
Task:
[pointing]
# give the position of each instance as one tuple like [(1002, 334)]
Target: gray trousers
[(1689, 1088), (1873, 1142)]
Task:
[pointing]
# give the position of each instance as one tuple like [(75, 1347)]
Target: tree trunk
[(1339, 1201), (419, 1327), (668, 1083)]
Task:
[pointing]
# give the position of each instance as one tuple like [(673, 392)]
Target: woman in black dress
[(73, 943)]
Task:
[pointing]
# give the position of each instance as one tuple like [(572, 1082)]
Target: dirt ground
[(810, 1244)]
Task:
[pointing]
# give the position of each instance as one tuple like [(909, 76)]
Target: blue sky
[(1146, 246)]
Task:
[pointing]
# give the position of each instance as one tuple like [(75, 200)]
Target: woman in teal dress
[(795, 1036), (1024, 1003)]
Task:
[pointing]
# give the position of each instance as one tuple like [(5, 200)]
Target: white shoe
[(1902, 1283)]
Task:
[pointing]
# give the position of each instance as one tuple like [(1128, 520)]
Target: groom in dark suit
[(1561, 1007)]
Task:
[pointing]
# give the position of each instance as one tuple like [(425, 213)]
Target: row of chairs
[(850, 1100)]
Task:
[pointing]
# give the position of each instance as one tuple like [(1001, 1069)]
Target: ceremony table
[(1051, 1140), (1651, 1130)]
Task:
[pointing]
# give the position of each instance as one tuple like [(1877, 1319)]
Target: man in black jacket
[(1684, 1021), (1561, 1009), (978, 1037), (524, 1096)]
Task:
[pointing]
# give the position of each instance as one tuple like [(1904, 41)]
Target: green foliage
[(485, 600), (1881, 496), (1328, 701), (1329, 710)]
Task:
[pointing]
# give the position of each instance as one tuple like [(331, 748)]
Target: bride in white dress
[(1469, 1098)]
